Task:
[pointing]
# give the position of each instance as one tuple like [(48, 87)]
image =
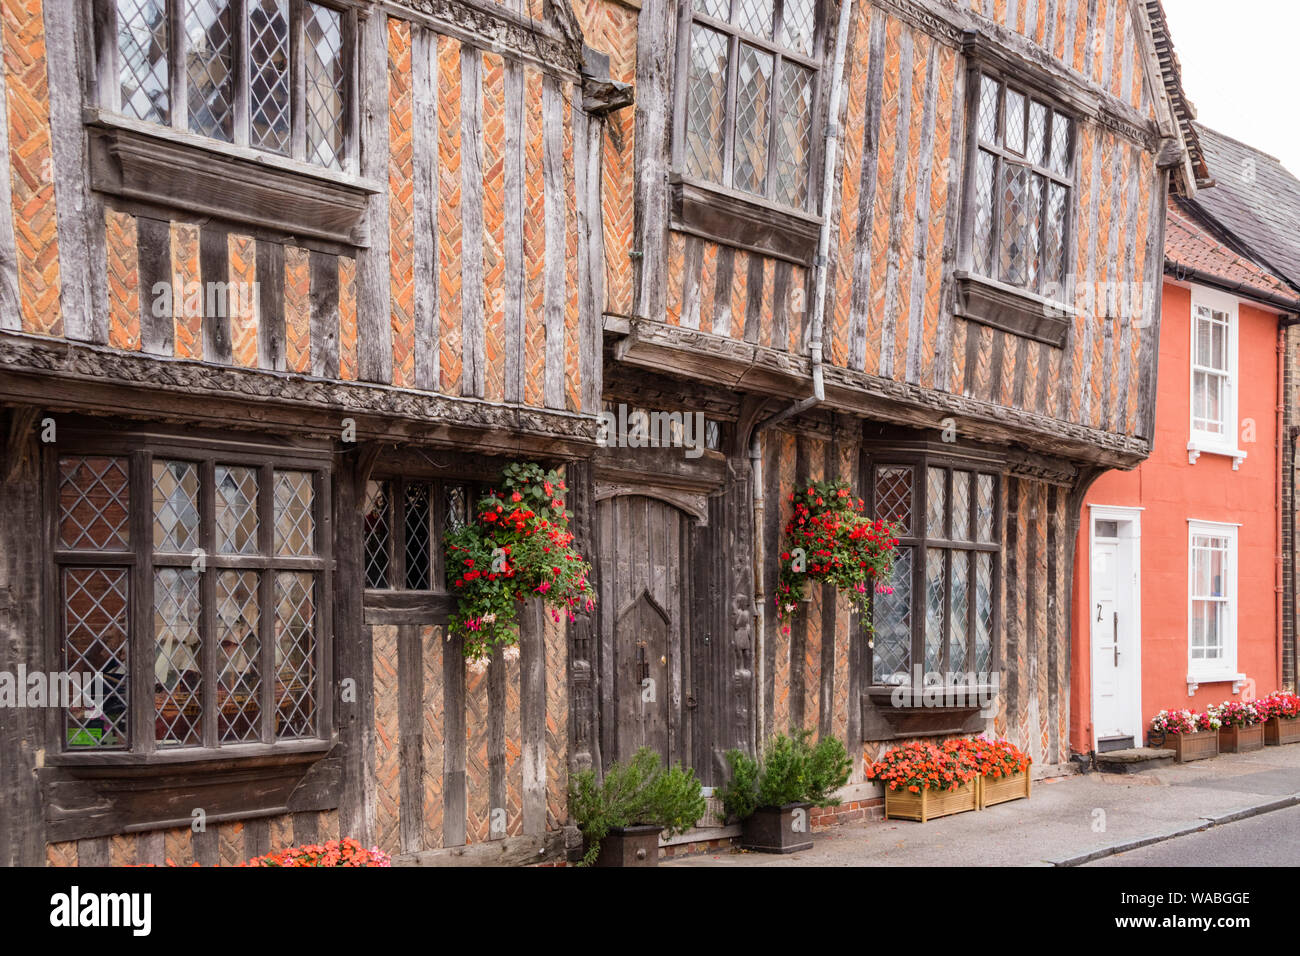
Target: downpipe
[(818, 396)]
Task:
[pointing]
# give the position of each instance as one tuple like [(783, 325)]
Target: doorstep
[(1134, 760)]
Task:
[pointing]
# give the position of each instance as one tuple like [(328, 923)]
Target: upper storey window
[(270, 74), (1023, 173), (747, 101)]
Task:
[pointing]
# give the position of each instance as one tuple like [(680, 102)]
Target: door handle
[(1116, 634), (1099, 612)]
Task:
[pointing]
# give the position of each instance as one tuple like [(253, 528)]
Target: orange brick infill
[(823, 818)]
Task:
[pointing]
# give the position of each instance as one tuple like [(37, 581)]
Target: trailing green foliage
[(640, 792), (793, 770)]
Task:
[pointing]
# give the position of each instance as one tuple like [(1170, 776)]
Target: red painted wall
[(1171, 491)]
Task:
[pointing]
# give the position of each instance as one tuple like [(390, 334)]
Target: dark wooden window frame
[(171, 166), (718, 212), (987, 299), (140, 450), (920, 540), (107, 73), (397, 603)]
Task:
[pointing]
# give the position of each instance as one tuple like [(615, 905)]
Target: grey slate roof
[(1256, 200)]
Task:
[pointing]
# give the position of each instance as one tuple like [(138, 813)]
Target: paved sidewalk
[(1067, 821)]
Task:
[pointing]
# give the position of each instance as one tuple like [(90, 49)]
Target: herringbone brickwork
[(123, 280), (535, 253), (449, 219), (244, 304), (401, 200), (494, 225), (388, 765), (31, 158), (297, 309), (186, 292), (347, 318)]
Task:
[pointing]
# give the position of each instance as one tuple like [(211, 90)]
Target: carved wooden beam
[(95, 380), (747, 367)]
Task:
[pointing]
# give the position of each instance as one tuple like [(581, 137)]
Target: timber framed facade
[(473, 228)]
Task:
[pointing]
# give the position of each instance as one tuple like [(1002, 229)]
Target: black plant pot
[(630, 846), (773, 829)]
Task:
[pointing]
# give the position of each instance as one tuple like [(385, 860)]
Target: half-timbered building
[(284, 283)]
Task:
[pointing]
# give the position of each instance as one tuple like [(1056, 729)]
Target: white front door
[(1114, 627)]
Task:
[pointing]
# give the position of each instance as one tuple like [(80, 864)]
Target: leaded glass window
[(1022, 173), (404, 521), (939, 617), (271, 74), (746, 109), (208, 618)]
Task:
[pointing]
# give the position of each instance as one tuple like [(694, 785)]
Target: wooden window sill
[(154, 164), (1005, 307), (882, 720), (90, 795), (744, 222)]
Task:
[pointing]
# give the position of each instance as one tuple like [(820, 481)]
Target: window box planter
[(931, 804), (630, 846), (773, 829), (1281, 730), (1241, 740), (1195, 746), (995, 790)]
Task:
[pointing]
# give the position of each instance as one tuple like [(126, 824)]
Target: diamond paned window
[(1023, 168), (270, 74), (229, 541), (376, 526), (747, 110), (939, 617), (405, 521)]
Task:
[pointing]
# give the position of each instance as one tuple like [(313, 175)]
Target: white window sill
[(1196, 448), (1194, 681)]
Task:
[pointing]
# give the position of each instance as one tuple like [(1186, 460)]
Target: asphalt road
[(1270, 839)]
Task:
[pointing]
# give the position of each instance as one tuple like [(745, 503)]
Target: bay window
[(748, 73), (195, 581), (269, 74), (940, 617), (1023, 171)]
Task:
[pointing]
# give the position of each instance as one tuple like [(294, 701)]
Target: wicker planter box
[(772, 829), (995, 790), (1282, 730), (630, 846), (1241, 740), (1195, 746), (930, 804)]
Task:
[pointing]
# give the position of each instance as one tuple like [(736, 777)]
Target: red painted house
[(1179, 587)]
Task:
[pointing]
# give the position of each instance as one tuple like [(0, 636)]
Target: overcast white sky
[(1240, 69)]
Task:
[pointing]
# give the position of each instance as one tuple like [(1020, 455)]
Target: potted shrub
[(923, 781), (1190, 735), (771, 797), (1003, 769), (1281, 715), (1241, 729), (622, 816)]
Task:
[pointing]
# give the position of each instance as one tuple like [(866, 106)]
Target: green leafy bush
[(792, 770), (640, 792)]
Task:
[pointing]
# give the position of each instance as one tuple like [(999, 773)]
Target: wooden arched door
[(645, 580)]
